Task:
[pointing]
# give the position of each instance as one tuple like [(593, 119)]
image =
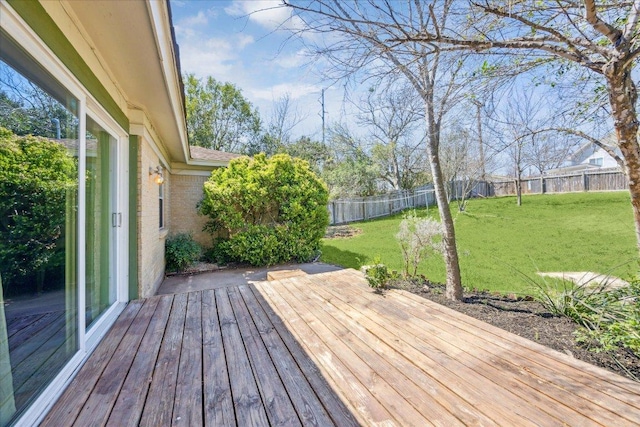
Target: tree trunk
[(623, 96), (450, 252), (519, 191), (483, 172)]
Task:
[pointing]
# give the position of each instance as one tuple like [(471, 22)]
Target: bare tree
[(394, 116), (516, 125), (372, 37), (603, 40), (461, 163), (549, 149), (284, 117)]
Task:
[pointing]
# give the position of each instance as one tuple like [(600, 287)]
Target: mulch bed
[(341, 232), (530, 320)]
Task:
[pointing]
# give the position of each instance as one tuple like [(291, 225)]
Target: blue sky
[(243, 42)]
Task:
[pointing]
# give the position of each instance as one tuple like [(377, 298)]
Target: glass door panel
[(101, 221), (39, 140)]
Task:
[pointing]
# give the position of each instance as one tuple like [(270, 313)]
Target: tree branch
[(632, 22), (613, 34), (610, 151)]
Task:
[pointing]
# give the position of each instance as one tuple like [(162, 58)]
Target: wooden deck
[(326, 350)]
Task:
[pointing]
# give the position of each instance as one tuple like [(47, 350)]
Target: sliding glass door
[(60, 228)]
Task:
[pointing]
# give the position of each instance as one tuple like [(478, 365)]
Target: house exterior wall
[(186, 192), (151, 238), (607, 160)]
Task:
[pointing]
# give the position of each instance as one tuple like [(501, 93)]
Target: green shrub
[(181, 252), (218, 253), (269, 210)]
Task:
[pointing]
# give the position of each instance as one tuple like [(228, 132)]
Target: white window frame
[(17, 29)]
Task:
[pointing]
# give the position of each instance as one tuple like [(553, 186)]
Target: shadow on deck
[(325, 350)]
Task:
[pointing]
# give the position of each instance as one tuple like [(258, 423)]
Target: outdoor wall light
[(159, 179)]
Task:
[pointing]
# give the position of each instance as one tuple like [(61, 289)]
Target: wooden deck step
[(284, 274)]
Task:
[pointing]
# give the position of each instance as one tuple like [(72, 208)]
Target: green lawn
[(498, 241)]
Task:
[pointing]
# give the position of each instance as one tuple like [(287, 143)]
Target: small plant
[(377, 274), (181, 252), (418, 239), (609, 317)]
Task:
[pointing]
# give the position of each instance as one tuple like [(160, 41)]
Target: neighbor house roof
[(201, 153)]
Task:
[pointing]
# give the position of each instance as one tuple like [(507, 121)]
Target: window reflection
[(38, 223)]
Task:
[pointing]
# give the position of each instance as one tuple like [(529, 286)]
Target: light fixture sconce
[(159, 179)]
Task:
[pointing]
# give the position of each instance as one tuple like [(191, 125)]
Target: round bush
[(268, 210), (181, 252)]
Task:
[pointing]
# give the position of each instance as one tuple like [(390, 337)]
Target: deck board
[(163, 386), (187, 410), (323, 350), (129, 403), (278, 406), (249, 408), (98, 406), (218, 406)]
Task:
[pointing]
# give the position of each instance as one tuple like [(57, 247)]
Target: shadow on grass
[(347, 259)]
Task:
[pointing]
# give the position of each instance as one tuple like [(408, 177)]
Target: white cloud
[(293, 60), (244, 40), (199, 19), (270, 14)]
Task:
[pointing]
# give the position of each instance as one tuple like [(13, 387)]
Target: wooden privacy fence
[(363, 208), (342, 211), (608, 180)]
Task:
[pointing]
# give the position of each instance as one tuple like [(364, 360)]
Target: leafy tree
[(36, 176), (219, 116), (269, 210), (350, 172), (314, 152)]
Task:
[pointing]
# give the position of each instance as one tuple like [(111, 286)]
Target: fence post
[(333, 212)]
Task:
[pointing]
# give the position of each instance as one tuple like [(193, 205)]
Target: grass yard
[(499, 243)]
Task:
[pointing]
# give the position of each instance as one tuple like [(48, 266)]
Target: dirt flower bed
[(341, 232), (529, 320)]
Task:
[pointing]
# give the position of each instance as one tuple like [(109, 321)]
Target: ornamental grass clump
[(419, 238), (609, 316)]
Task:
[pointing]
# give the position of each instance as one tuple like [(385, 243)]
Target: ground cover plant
[(502, 245)]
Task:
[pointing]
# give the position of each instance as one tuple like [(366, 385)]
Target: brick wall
[(186, 192), (151, 238)]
